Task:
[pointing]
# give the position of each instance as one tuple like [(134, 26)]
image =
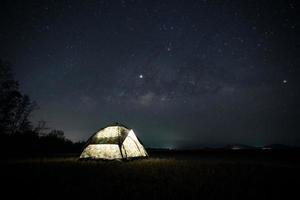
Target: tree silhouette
[(15, 108), (16, 128)]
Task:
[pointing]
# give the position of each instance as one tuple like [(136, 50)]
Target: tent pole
[(119, 142)]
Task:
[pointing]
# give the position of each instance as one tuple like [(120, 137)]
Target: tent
[(114, 142)]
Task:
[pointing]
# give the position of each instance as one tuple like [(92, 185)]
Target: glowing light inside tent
[(108, 132), (132, 147), (114, 142), (107, 151)]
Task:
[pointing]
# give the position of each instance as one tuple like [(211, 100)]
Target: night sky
[(182, 74)]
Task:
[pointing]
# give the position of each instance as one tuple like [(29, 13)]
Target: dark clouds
[(181, 73)]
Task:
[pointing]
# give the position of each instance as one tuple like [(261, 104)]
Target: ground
[(162, 176)]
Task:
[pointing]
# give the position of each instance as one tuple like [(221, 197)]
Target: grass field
[(158, 177)]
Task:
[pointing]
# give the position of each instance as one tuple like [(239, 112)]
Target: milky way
[(182, 74)]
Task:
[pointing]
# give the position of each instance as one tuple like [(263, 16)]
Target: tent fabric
[(110, 135), (114, 142)]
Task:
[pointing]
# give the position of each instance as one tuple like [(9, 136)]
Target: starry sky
[(182, 74)]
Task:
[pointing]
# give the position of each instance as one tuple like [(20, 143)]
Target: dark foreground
[(163, 176)]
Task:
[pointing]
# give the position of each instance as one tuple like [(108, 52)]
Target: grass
[(154, 178)]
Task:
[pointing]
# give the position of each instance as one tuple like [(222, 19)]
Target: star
[(284, 81), (141, 76)]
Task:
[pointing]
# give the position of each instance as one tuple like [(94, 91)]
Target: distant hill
[(227, 147), (278, 146)]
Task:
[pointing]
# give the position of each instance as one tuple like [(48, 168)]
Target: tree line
[(18, 135)]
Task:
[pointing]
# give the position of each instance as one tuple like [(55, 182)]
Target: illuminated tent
[(113, 142)]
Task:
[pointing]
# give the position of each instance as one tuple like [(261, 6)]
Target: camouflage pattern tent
[(113, 142)]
